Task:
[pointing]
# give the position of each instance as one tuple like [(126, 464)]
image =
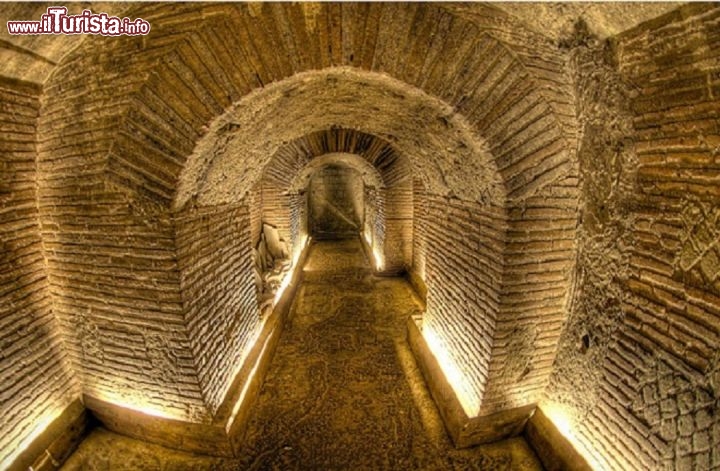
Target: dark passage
[(335, 203)]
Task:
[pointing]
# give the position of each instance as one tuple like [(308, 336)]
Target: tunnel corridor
[(545, 177), (343, 391)]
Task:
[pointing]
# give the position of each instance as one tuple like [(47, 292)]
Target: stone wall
[(475, 106), (36, 383), (220, 301), (637, 371)]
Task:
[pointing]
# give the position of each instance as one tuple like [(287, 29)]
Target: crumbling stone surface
[(442, 148), (608, 166), (638, 360), (557, 19)]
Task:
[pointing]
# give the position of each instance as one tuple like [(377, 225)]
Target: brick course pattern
[(393, 194), (36, 382), (560, 204), (639, 361), (181, 123), (215, 253)]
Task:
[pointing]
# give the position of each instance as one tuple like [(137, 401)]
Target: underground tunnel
[(361, 236)]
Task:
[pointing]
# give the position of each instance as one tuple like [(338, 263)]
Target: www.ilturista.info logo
[(57, 21)]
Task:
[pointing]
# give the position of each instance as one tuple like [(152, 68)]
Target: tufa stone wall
[(638, 363), (36, 383)]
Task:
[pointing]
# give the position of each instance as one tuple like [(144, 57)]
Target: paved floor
[(342, 393)]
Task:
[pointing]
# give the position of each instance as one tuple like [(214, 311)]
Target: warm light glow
[(38, 428), (139, 404), (283, 285), (565, 421), (419, 265), (368, 237), (248, 382), (454, 375), (560, 416), (249, 344), (304, 241), (379, 259)]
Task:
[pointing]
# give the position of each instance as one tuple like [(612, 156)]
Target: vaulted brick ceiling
[(146, 166), (33, 58), (195, 111)]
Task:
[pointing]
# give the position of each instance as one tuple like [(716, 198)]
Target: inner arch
[(370, 175), (444, 151)]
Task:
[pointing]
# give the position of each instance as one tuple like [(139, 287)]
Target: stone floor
[(343, 391)]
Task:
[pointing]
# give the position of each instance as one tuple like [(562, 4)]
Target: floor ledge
[(223, 436), (465, 431)]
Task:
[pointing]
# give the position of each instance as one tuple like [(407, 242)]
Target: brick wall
[(36, 383), (480, 111), (218, 290), (638, 366), (116, 284), (463, 274), (538, 260), (371, 213), (335, 203), (276, 209), (398, 225), (110, 247), (255, 208), (292, 161), (419, 225), (298, 221)]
